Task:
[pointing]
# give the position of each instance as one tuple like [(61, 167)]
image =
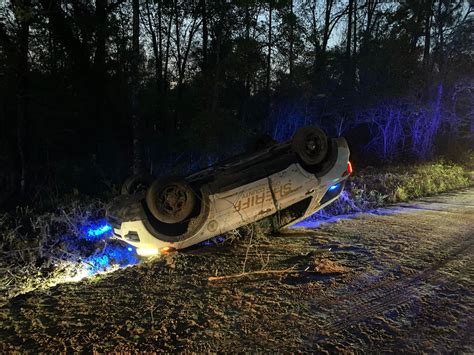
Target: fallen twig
[(258, 272)]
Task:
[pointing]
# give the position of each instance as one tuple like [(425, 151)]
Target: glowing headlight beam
[(147, 251)]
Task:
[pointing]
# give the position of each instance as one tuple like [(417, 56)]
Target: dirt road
[(401, 280)]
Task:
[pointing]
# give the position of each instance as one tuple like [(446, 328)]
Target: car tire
[(311, 144), (136, 183), (170, 200)]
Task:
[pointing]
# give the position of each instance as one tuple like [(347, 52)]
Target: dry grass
[(371, 188), (326, 266), (40, 250)]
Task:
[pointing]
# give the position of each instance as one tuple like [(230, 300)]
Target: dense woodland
[(93, 90)]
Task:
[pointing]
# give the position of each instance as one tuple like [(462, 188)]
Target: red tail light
[(349, 168)]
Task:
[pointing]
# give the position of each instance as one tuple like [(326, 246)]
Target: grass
[(371, 188), (41, 249)]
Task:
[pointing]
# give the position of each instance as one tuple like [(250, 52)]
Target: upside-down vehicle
[(286, 181)]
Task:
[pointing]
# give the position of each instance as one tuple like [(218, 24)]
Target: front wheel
[(311, 144), (170, 200)]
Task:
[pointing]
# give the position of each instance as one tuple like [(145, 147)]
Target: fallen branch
[(259, 272)]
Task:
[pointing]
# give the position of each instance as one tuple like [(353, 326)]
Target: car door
[(243, 205)]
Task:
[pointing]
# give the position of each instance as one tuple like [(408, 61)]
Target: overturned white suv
[(288, 181)]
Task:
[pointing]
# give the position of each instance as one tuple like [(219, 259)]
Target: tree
[(427, 10), (348, 71), (184, 40), (180, 72), (22, 9), (269, 54), (138, 164), (156, 43)]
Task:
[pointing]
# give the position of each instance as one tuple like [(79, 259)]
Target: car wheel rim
[(140, 186), (173, 199), (313, 146)]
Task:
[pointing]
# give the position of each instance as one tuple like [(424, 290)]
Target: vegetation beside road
[(374, 187), (40, 249)]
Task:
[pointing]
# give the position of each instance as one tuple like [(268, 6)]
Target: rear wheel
[(170, 200), (311, 144), (136, 183)]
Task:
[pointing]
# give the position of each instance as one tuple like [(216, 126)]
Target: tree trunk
[(53, 61), (314, 27), (349, 31), (369, 18), (217, 74), (269, 55), (160, 44), (136, 121), (246, 84), (327, 24), (365, 40), (167, 51), (314, 35), (426, 50), (205, 35), (22, 91), (354, 41), (156, 49), (291, 42), (354, 47), (61, 26), (177, 118), (441, 36), (348, 61), (416, 33), (168, 125), (99, 67)]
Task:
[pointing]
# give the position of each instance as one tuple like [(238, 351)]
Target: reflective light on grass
[(111, 258), (87, 250), (319, 218), (107, 257), (97, 231), (213, 241)]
